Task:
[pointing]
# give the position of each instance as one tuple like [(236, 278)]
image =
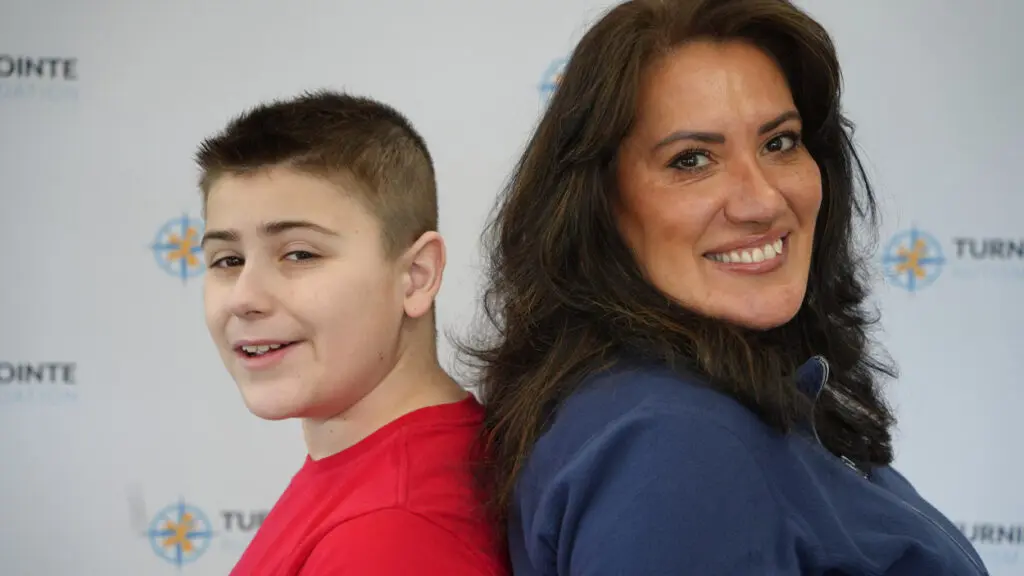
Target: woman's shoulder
[(631, 434), (630, 404), (651, 393)]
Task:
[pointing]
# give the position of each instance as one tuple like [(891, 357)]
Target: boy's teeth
[(262, 349), (766, 252)]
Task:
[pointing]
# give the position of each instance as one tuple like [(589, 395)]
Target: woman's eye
[(782, 143), (691, 161)]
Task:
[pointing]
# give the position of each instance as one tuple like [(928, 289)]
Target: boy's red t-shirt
[(402, 501)]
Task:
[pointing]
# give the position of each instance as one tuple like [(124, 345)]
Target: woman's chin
[(760, 317)]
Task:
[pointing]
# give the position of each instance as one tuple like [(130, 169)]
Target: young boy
[(323, 263)]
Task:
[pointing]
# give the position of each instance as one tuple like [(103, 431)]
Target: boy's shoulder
[(408, 488), (398, 541), (426, 497), (402, 465)]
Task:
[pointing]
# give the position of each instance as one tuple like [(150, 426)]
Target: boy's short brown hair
[(366, 147)]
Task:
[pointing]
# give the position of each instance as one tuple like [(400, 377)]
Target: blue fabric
[(644, 472)]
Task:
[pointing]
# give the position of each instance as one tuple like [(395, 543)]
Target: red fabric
[(403, 501)]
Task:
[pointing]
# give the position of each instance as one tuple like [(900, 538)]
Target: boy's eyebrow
[(268, 229)]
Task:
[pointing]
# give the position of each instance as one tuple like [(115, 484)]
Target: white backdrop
[(115, 411)]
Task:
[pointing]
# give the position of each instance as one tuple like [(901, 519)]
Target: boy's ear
[(425, 261)]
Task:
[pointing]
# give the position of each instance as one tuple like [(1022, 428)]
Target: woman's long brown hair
[(564, 297)]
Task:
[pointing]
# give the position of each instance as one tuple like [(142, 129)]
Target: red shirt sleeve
[(394, 542)]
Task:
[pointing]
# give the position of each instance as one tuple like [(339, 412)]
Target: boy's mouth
[(261, 349)]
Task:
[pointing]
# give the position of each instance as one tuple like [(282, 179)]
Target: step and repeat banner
[(124, 446)]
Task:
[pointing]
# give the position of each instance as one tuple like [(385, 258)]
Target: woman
[(681, 381)]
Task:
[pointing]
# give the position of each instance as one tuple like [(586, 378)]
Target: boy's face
[(304, 306)]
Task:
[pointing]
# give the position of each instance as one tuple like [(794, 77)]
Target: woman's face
[(717, 194)]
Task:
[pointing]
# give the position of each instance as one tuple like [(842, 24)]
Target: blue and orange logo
[(552, 78), (177, 248), (913, 260), (180, 533)]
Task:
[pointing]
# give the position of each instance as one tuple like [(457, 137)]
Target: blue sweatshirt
[(644, 472)]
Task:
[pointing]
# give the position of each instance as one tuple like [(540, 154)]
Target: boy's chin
[(266, 405), (273, 413)]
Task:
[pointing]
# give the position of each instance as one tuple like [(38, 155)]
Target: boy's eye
[(300, 255), (227, 262)]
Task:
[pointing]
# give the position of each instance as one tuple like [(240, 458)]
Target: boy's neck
[(417, 381)]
